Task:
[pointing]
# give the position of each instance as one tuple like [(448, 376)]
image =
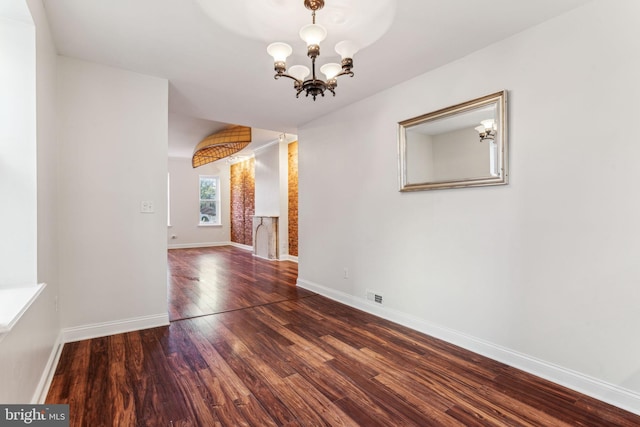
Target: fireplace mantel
[(265, 236)]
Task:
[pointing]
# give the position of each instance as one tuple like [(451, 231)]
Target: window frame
[(216, 200)]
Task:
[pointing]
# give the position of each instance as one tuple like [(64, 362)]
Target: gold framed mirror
[(464, 145)]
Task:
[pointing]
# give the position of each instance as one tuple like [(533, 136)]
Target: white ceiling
[(217, 76)]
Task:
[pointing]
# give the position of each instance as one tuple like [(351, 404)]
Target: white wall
[(272, 189), (268, 181), (28, 350), (112, 127), (542, 273), (185, 205), (18, 147)]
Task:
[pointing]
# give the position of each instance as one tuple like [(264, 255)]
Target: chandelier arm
[(278, 75), (344, 73)]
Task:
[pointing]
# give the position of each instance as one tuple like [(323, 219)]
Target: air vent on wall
[(374, 296)]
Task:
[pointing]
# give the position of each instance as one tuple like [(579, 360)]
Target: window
[(209, 200)]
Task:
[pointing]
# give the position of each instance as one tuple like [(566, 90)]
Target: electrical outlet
[(346, 273), (146, 206)]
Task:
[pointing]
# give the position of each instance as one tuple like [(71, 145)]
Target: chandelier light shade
[(221, 144), (313, 34), (279, 51), (299, 72)]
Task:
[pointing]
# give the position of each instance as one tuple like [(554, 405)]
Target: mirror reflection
[(459, 146)]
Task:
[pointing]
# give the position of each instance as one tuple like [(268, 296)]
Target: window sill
[(209, 225), (14, 302)]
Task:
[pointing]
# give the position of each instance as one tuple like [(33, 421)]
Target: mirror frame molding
[(498, 98)]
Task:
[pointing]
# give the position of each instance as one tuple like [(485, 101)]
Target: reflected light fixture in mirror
[(487, 130)]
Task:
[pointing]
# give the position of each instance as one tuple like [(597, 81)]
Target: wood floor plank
[(415, 394), (605, 414), (330, 413), (69, 385), (120, 384), (301, 411), (161, 401), (270, 400), (342, 390), (247, 348), (207, 281), (200, 411), (402, 413), (264, 315), (96, 406)]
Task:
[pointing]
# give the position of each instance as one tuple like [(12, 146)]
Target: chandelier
[(313, 34)]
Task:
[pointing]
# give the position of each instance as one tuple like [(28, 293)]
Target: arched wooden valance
[(221, 144)]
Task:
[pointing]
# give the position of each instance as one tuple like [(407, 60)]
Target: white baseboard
[(97, 330), (42, 389), (250, 248), (241, 246), (87, 332), (265, 258), (612, 394), (197, 245), (209, 245), (280, 258)]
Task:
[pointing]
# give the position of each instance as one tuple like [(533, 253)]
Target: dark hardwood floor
[(253, 350), (215, 280)]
